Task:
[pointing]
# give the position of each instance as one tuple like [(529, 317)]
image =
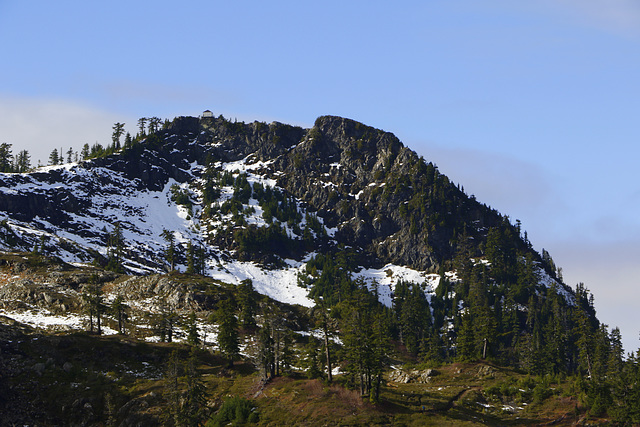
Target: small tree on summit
[(141, 123), (54, 159), (22, 161), (154, 124), (118, 131), (5, 157)]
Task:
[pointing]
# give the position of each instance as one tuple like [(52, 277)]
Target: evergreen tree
[(191, 328), (311, 360), (119, 310), (54, 159), (228, 339), (118, 131), (22, 161), (85, 153), (466, 345), (191, 261), (247, 304), (141, 126), (171, 391), (128, 141), (328, 326), (265, 357), (94, 306), (194, 408), (170, 251), (154, 124), (70, 155), (5, 158), (115, 241), (365, 339), (166, 322)]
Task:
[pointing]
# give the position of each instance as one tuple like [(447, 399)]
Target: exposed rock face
[(362, 182), (412, 376), (175, 295), (362, 179)]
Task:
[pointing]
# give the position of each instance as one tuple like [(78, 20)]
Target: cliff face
[(369, 191), (380, 195)]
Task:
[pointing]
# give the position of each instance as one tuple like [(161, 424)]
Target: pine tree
[(128, 141), (166, 323), (265, 357), (85, 153), (311, 361), (22, 162), (94, 306), (194, 408), (466, 345), (170, 251), (154, 124), (191, 261), (5, 158), (54, 159), (141, 123), (191, 328), (119, 310), (247, 304), (228, 339), (328, 326), (171, 391), (365, 342), (118, 131)]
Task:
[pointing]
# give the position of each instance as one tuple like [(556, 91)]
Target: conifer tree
[(171, 392), (228, 339), (22, 162), (5, 158), (85, 153), (328, 326), (119, 310), (194, 408), (118, 131), (54, 159), (311, 360), (191, 328), (170, 251), (141, 126), (265, 356), (191, 261), (94, 306), (166, 322), (247, 304)]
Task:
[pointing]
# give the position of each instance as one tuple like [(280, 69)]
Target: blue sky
[(531, 106)]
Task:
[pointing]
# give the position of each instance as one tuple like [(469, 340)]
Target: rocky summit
[(357, 185)]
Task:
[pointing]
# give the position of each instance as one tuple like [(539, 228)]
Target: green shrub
[(235, 411)]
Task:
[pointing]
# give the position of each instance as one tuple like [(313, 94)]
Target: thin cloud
[(609, 14), (614, 16)]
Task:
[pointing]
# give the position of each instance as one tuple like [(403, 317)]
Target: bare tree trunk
[(327, 352)]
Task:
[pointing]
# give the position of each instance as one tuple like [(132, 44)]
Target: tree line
[(21, 162)]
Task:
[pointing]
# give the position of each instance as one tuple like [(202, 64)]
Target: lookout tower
[(207, 113)]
